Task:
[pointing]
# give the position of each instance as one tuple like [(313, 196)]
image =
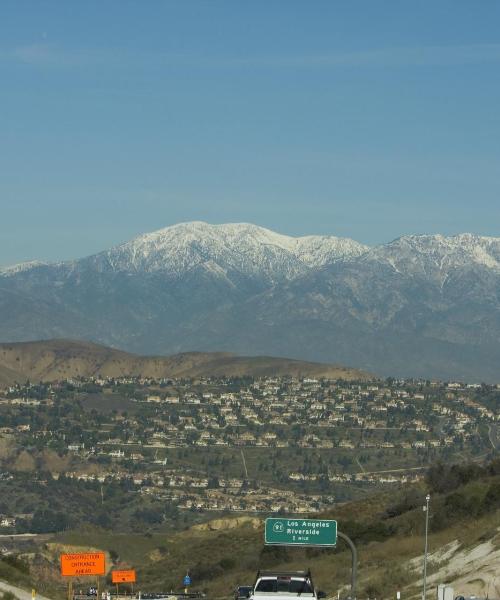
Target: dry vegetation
[(388, 530), (60, 359)]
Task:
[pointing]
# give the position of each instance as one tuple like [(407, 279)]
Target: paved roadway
[(19, 592), (493, 435), (19, 536)]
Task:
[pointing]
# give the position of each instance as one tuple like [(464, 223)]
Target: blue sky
[(367, 119)]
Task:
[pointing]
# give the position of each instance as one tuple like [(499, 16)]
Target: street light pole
[(426, 510)]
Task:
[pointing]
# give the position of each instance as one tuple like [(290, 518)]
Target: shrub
[(442, 478), (367, 532), (227, 563), (274, 555), (492, 498), (150, 516), (17, 563), (49, 521), (409, 500), (206, 571)]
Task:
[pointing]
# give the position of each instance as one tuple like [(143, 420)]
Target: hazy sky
[(363, 119)]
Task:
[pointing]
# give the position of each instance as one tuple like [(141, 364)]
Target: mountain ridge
[(421, 305), (200, 240), (51, 360), (160, 239)]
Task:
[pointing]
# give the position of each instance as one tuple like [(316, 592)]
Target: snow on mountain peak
[(239, 247), (21, 267), (261, 254), (439, 254)]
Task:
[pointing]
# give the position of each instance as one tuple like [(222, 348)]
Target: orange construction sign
[(127, 576), (86, 563)]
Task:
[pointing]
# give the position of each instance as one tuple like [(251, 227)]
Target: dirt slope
[(471, 571)]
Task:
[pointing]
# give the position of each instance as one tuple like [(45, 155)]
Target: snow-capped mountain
[(234, 247), (437, 255), (425, 305), (20, 267)]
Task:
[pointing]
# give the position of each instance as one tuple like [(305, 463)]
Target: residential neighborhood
[(242, 444)]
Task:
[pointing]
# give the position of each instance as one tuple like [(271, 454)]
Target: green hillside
[(388, 529)]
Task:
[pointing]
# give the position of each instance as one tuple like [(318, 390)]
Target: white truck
[(272, 585)]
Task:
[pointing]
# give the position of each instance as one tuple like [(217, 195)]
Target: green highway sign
[(301, 532)]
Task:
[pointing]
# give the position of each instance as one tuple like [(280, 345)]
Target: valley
[(171, 464), (387, 528), (183, 449)]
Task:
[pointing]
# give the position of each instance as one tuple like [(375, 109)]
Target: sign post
[(301, 532), (354, 565), (187, 582), (124, 576), (310, 532), (82, 565)]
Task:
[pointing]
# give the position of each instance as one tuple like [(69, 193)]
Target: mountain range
[(421, 305)]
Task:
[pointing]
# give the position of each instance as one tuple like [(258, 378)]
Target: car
[(271, 585), (242, 592)]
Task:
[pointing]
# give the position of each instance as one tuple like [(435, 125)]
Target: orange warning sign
[(86, 563), (123, 576)]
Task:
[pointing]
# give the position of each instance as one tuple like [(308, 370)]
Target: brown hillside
[(59, 359), (8, 376)]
